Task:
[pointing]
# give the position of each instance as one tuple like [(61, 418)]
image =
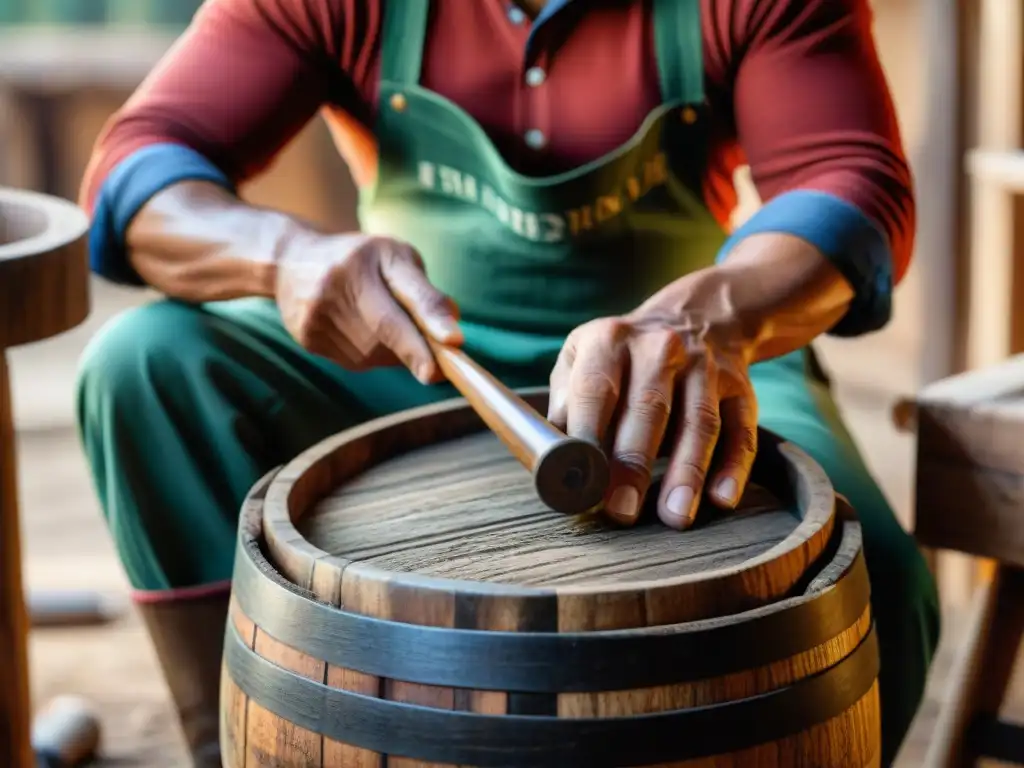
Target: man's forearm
[(785, 292), (772, 295), (197, 242)]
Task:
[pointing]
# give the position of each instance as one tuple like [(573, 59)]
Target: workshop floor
[(114, 665)]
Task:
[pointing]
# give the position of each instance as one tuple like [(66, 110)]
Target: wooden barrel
[(402, 599)]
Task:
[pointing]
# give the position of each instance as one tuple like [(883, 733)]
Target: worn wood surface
[(569, 475), (970, 463), (983, 673), (412, 518), (339, 460), (467, 510)]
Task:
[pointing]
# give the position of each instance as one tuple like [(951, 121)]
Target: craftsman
[(559, 176)]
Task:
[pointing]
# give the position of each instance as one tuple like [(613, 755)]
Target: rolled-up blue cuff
[(131, 184), (846, 237)]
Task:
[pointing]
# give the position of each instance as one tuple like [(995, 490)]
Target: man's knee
[(141, 385), (136, 359)]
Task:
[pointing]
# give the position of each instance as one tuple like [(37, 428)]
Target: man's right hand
[(349, 298)]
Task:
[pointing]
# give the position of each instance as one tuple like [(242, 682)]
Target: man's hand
[(349, 298), (617, 382)]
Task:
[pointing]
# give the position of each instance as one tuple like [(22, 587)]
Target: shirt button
[(516, 14), (535, 138), (535, 76)]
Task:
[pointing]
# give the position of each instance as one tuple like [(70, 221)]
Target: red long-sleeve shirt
[(795, 88)]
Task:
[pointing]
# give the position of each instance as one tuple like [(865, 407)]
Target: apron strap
[(402, 36), (679, 49)]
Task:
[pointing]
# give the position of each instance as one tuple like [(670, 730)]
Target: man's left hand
[(617, 382)]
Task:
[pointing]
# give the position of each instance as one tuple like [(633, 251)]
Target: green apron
[(183, 408), (528, 259)]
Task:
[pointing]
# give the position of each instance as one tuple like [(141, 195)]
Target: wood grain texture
[(465, 510), (569, 475), (15, 712), (983, 670), (44, 271), (847, 740), (44, 291), (970, 463), (422, 518), (687, 596)]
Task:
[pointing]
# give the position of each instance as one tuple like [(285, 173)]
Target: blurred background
[(955, 68)]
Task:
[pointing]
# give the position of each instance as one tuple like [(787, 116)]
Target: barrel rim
[(832, 602), (297, 558)]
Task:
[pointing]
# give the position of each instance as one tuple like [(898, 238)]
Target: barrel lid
[(429, 500)]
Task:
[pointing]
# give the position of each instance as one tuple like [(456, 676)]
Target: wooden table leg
[(979, 679), (68, 732), (15, 707)]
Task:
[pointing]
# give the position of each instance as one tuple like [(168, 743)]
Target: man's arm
[(815, 118), (240, 83)]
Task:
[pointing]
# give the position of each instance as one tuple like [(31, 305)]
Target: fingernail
[(424, 372), (727, 490), (679, 503), (624, 503)]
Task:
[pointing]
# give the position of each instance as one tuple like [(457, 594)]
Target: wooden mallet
[(569, 475)]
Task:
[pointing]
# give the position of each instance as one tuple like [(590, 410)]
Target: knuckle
[(591, 386), (368, 249), (350, 292), (572, 341), (693, 471), (706, 365), (388, 330), (405, 252), (379, 243), (636, 462), (567, 354), (610, 329), (748, 440), (704, 418), (651, 404), (664, 348)]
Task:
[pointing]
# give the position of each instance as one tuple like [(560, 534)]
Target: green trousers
[(183, 408)]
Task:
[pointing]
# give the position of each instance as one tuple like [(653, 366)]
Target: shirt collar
[(552, 9)]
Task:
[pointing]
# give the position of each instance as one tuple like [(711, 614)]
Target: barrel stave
[(271, 740), (234, 703), (845, 741), (436, 609)]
